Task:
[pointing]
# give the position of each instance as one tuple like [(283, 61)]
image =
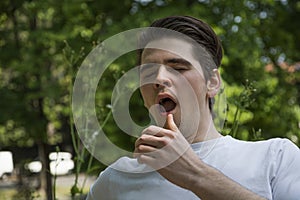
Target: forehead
[(168, 47)]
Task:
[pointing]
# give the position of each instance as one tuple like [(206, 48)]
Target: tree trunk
[(46, 179)]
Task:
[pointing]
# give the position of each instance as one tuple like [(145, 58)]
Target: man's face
[(173, 83)]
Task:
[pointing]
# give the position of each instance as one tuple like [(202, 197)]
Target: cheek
[(198, 85), (146, 95)]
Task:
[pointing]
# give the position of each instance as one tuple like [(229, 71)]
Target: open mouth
[(167, 105)]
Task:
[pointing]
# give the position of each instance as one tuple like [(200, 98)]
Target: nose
[(162, 78)]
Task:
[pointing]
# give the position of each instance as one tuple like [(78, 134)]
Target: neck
[(206, 131)]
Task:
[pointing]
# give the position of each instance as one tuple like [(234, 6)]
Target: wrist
[(197, 178)]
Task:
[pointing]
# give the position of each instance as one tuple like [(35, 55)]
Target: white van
[(6, 163)]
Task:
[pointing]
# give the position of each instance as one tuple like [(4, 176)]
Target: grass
[(7, 193), (63, 187), (63, 193)]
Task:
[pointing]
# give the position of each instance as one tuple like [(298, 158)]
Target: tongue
[(168, 105)]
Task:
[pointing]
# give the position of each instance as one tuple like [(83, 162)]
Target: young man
[(189, 158)]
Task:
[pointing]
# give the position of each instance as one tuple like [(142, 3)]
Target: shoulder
[(272, 153), (286, 154), (103, 187), (123, 167), (100, 186), (283, 150), (276, 159), (116, 177), (286, 179), (274, 145)]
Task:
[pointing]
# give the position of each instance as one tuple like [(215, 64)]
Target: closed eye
[(178, 64), (180, 68)]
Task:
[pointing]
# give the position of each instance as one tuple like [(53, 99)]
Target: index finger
[(153, 130)]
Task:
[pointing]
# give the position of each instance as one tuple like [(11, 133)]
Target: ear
[(213, 84)]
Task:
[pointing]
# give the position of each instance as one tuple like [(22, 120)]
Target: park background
[(43, 43)]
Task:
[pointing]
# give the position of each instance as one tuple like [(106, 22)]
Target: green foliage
[(44, 42), (239, 100)]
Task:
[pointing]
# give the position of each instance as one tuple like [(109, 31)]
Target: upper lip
[(164, 95)]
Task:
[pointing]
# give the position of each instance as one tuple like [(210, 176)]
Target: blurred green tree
[(261, 47)]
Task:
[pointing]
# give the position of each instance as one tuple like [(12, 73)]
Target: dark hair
[(195, 29)]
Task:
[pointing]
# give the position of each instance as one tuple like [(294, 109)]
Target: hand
[(167, 151)]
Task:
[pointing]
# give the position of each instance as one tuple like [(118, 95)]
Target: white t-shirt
[(270, 168)]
